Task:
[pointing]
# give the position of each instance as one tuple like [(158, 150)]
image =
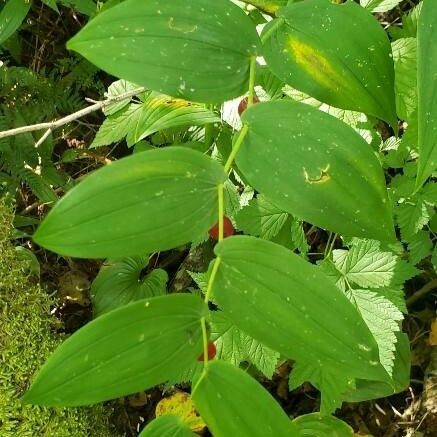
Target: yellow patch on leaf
[(314, 63), (181, 405), (156, 102)]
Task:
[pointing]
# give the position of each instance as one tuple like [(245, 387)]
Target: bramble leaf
[(235, 346)]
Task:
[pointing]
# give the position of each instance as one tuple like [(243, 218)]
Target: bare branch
[(52, 125)]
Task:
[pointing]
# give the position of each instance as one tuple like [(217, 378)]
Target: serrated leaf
[(147, 202), (298, 236), (119, 282), (320, 49), (167, 426), (395, 295), (11, 17), (124, 351), (231, 199), (260, 218), (412, 217), (117, 126), (405, 61), (315, 167), (156, 113), (379, 5), (427, 90), (230, 402), (419, 247), (366, 265), (330, 382), (281, 300), (235, 346), (158, 45), (116, 89), (382, 318)]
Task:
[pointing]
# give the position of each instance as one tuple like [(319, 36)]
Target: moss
[(27, 338)]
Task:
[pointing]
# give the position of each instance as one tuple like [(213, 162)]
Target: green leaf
[(11, 17), (412, 216), (124, 351), (230, 402), (159, 44), (427, 90), (148, 202), (281, 300), (156, 113), (366, 390), (119, 283), (260, 218), (314, 166), (382, 318), (419, 247), (167, 426), (331, 382), (366, 265), (322, 425), (405, 60), (116, 89), (320, 48), (379, 5), (235, 346)]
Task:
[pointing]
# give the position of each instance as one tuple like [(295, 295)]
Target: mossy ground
[(27, 338)]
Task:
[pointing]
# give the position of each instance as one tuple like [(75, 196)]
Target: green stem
[(236, 147), (220, 200), (251, 81)]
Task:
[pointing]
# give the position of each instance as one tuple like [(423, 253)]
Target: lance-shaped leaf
[(290, 306), (125, 351), (151, 201), (121, 282), (167, 426), (320, 48), (316, 167), (11, 17), (230, 401), (159, 45), (427, 90)]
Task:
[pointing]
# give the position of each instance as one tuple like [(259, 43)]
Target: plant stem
[(427, 288), (221, 210), (236, 147), (51, 125), (251, 81), (220, 200)]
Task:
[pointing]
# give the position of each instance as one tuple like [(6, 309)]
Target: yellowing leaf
[(181, 405)]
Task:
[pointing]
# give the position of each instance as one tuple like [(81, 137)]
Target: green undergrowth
[(27, 338)]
